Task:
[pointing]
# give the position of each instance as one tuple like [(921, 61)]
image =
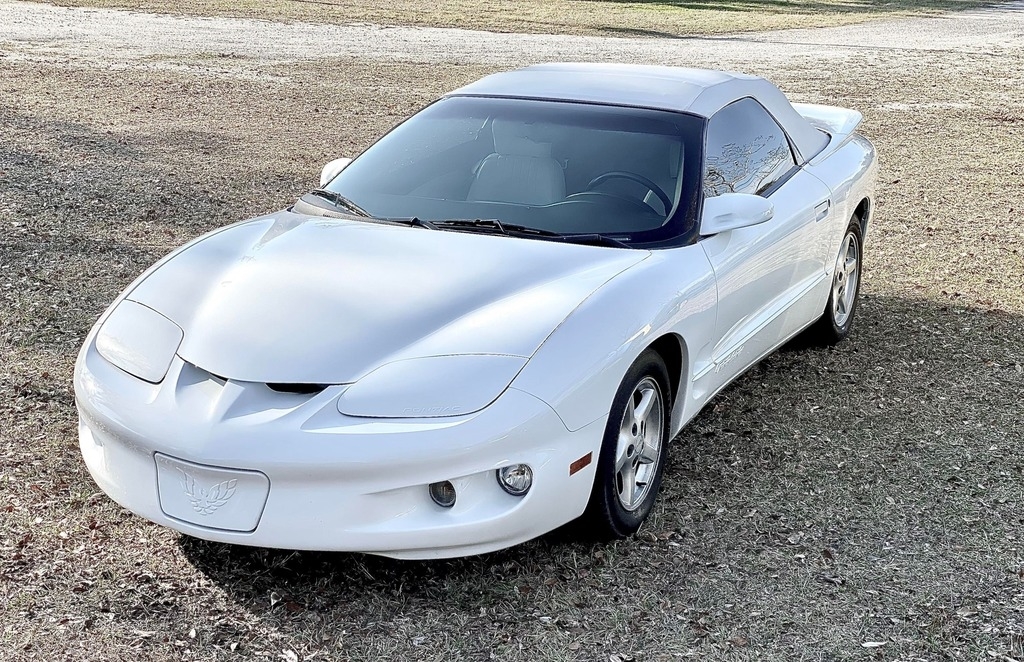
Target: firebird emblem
[(207, 501)]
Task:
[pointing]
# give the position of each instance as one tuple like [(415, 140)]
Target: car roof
[(700, 92)]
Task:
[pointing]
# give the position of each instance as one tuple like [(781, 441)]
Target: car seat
[(521, 169)]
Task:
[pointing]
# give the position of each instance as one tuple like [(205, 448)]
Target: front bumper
[(240, 463)]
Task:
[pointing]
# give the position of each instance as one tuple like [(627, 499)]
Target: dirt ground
[(864, 502), (644, 18)]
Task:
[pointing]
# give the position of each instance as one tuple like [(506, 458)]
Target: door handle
[(821, 210)]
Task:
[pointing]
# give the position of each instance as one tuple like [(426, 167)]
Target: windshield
[(566, 168)]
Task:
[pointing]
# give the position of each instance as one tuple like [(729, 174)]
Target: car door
[(766, 273)]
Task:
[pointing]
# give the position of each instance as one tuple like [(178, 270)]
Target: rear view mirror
[(730, 211), (332, 169)]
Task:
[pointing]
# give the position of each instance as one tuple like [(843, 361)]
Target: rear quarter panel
[(851, 173)]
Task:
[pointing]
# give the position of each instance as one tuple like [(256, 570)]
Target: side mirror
[(730, 211), (332, 169)]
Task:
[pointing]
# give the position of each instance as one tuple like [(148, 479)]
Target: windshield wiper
[(340, 201), (493, 225), (593, 239), (412, 221)]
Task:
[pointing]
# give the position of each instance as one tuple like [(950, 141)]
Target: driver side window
[(747, 151)]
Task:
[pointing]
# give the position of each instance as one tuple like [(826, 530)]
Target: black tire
[(607, 517), (835, 323)]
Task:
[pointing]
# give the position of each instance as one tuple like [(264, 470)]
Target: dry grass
[(614, 17), (870, 493)]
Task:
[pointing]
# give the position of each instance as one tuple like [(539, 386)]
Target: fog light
[(516, 479), (443, 493)]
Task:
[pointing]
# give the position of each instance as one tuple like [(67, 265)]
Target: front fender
[(579, 367)]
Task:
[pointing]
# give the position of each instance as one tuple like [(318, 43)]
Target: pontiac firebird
[(489, 324)]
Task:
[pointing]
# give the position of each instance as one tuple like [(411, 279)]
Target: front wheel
[(633, 451), (837, 320)]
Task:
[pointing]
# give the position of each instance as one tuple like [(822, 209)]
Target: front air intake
[(301, 389)]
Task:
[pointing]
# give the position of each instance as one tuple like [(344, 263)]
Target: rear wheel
[(837, 320), (633, 452)]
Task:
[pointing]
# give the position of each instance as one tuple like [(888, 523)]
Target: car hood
[(302, 299)]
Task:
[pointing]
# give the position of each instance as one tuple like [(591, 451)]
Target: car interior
[(554, 176), (561, 167)]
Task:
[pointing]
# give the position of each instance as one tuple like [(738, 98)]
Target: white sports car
[(489, 324)]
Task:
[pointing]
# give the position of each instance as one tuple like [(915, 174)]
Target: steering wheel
[(633, 177)]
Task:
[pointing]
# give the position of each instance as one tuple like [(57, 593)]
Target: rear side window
[(747, 151)]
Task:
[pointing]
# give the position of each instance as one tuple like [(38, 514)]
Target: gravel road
[(117, 38)]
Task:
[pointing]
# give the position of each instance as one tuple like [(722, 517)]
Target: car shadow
[(266, 579)]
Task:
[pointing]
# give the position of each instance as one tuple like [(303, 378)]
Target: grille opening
[(302, 389)]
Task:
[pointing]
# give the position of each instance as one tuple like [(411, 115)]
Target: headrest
[(516, 139)]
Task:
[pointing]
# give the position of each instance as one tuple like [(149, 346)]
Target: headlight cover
[(431, 387), (139, 340)]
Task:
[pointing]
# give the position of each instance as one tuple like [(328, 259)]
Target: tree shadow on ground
[(88, 210), (808, 7)]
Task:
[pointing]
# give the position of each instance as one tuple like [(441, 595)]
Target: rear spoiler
[(839, 123)]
